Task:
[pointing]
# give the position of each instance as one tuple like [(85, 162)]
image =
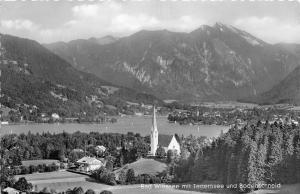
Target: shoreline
[(141, 125)]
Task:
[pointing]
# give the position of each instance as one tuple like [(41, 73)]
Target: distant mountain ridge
[(33, 75), (287, 91), (217, 62), (104, 40)]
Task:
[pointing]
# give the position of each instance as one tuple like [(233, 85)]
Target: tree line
[(256, 154)]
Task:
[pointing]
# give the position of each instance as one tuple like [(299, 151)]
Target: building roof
[(100, 147), (10, 190), (90, 161), (164, 140)]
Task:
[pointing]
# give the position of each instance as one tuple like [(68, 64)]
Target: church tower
[(154, 134)]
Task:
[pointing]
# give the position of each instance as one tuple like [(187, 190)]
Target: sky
[(54, 21)]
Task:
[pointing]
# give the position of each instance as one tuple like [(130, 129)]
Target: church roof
[(164, 140)]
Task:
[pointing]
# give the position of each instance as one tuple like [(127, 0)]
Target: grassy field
[(290, 189), (63, 180), (134, 124), (145, 166)]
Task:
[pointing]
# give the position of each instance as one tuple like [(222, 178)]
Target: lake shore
[(124, 125)]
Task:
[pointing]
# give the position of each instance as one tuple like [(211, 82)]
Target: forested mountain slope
[(34, 76)]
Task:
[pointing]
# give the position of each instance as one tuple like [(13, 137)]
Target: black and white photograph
[(149, 97)]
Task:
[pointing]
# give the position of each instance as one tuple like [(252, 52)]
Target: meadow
[(63, 180), (134, 124)]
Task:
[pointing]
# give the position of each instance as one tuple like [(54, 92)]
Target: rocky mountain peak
[(211, 62)]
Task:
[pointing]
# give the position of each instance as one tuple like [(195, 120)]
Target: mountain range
[(34, 76), (97, 75), (218, 62)]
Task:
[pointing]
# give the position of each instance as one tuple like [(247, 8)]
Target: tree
[(275, 157), (261, 157), (78, 190), (23, 185), (45, 190), (6, 173), (170, 156), (109, 165), (106, 192), (130, 176), (122, 177), (90, 191), (111, 179), (160, 152)]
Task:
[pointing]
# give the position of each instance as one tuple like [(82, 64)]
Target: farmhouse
[(100, 148), (88, 164), (166, 141), (55, 116), (10, 190)]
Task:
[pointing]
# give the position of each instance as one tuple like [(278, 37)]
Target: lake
[(126, 124)]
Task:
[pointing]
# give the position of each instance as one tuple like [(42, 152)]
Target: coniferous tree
[(275, 156), (261, 157)]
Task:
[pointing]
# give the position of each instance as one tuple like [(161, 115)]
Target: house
[(100, 148), (4, 123), (78, 150), (88, 164), (55, 116), (10, 190)]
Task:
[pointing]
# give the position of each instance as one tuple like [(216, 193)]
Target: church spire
[(154, 134), (154, 124)]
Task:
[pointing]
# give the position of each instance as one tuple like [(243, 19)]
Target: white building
[(174, 145), (10, 190), (100, 148), (55, 116), (88, 164), (168, 142)]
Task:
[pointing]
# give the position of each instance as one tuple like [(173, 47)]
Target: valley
[(152, 110)]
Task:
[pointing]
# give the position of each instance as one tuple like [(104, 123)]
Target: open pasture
[(145, 166), (63, 180)]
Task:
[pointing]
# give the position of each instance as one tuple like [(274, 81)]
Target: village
[(197, 115)]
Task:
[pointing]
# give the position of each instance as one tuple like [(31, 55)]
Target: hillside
[(287, 91), (144, 166), (217, 62), (32, 76)]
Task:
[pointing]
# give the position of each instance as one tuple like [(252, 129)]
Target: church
[(168, 142)]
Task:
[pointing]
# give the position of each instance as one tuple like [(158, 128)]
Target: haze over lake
[(140, 125)]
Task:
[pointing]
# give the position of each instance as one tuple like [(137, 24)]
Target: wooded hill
[(33, 75), (255, 154)]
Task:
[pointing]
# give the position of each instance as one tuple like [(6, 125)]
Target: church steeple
[(154, 124), (154, 133)]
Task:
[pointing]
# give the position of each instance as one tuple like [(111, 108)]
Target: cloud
[(96, 19), (18, 24), (270, 29), (188, 23), (133, 23)]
